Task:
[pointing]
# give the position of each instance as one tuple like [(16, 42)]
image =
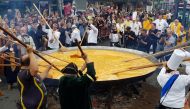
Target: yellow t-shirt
[(127, 23), (184, 39), (176, 29), (165, 17), (147, 25)]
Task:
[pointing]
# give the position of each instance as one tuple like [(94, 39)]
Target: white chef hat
[(175, 60)]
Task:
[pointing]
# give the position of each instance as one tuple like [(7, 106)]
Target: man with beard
[(24, 37)]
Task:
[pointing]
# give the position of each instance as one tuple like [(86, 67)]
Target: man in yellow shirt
[(176, 27), (146, 23), (127, 22), (182, 37)]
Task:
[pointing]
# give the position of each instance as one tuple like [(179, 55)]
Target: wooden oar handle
[(77, 42), (23, 44), (46, 61), (12, 56), (48, 25), (10, 60)]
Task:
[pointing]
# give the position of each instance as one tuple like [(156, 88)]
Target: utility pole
[(184, 12), (176, 9), (60, 5)]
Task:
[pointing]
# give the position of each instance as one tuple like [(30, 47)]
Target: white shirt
[(114, 37), (75, 35), (176, 95), (135, 27), (161, 24), (27, 40), (120, 27), (51, 35), (169, 15), (92, 34), (2, 49), (68, 39)]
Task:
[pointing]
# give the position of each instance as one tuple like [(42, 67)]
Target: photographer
[(130, 38), (144, 41)]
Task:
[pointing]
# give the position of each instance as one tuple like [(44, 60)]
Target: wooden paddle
[(23, 44), (162, 52), (83, 37), (144, 66), (62, 47), (9, 65), (11, 56), (80, 49), (9, 60), (36, 51), (53, 57)]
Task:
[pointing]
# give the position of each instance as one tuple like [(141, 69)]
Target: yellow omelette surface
[(106, 63)]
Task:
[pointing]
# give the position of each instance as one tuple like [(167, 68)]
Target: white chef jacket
[(176, 95), (161, 24), (68, 38), (51, 35), (75, 35), (92, 34)]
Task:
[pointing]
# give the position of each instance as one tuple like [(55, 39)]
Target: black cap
[(71, 68)]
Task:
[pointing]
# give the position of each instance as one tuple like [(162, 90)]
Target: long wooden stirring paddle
[(9, 60), (36, 50), (62, 47), (80, 49), (144, 66), (161, 52), (23, 44)]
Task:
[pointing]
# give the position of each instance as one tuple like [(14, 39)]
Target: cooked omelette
[(106, 62)]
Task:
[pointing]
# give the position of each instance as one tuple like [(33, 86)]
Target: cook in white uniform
[(175, 98)]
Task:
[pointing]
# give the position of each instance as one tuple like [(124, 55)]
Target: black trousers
[(115, 44), (164, 107), (92, 44), (154, 47)]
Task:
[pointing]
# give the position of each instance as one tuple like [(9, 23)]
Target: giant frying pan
[(110, 57)]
